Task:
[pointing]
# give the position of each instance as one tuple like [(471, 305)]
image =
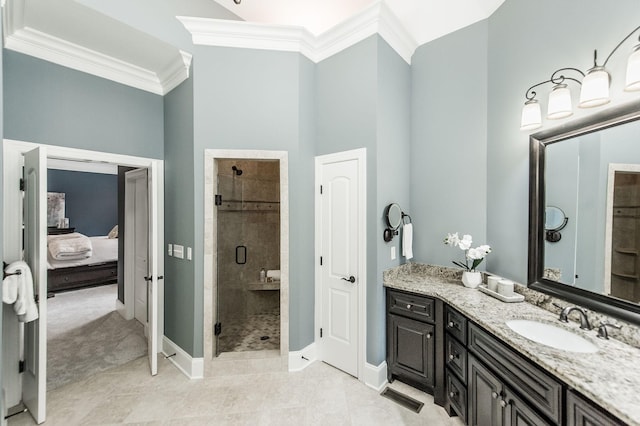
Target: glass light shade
[(559, 102), (633, 70), (531, 115), (595, 88)]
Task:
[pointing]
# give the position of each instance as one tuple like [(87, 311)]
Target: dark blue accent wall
[(91, 199)]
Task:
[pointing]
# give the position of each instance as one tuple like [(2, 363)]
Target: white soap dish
[(508, 299)]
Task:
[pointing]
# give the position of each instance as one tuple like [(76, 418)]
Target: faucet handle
[(602, 329)]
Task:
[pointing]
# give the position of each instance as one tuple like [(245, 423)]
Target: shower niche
[(248, 242)]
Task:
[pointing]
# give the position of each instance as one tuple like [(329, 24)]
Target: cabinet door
[(484, 396), (412, 350), (518, 413), (581, 412)]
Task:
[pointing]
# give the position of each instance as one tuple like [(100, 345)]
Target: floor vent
[(403, 400)]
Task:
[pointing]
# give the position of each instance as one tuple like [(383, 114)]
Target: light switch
[(393, 252), (170, 249), (178, 251), (188, 253)]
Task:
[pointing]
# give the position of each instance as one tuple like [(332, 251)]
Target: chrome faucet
[(584, 321)]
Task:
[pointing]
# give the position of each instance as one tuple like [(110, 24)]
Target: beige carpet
[(86, 335)]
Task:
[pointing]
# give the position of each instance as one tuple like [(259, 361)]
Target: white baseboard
[(193, 368), (375, 377), (299, 360)]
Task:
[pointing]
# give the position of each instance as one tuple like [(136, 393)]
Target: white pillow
[(113, 233)]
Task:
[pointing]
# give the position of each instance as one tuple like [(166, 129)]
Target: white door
[(34, 380), (339, 276), (152, 277), (141, 240), (141, 207)]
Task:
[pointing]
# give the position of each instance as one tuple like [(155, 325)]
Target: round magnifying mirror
[(554, 218), (394, 216)]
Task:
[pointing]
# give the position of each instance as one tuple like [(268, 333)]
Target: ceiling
[(75, 35), (425, 20)]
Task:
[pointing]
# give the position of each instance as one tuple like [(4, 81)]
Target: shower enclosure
[(248, 234)]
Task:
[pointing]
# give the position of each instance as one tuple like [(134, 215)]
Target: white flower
[(465, 243), (452, 239), (476, 253), (485, 248)]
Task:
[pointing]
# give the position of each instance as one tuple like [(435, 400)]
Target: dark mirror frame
[(612, 306)]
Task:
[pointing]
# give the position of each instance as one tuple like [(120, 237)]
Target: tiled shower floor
[(246, 334)]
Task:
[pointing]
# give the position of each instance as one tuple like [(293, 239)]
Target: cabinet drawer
[(456, 324), (542, 390), (457, 396), (455, 358), (411, 305)]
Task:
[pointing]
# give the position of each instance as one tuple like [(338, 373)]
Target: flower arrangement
[(476, 255)]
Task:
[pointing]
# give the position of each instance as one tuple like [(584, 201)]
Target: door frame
[(360, 155), (608, 235), (13, 150), (210, 244)]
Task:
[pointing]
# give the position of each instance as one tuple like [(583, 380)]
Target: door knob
[(351, 279)]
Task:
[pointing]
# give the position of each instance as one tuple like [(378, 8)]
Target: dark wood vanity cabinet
[(582, 412), (411, 339), (472, 373)]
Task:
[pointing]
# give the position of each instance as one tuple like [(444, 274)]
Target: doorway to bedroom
[(86, 223), (25, 221)]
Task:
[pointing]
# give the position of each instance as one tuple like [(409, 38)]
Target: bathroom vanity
[(453, 342)]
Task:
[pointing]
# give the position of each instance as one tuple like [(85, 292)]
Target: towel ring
[(8, 274)]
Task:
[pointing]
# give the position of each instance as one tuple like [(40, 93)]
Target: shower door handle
[(351, 279)]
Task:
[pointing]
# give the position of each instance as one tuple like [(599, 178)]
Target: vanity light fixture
[(594, 88)]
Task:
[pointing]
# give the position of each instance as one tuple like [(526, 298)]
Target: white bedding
[(104, 250)]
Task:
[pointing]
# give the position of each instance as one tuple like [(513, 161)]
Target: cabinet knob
[(503, 403), (408, 306), (451, 324), (429, 335), (494, 395), (453, 394), (454, 356)]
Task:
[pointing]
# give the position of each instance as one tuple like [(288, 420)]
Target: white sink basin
[(553, 336)]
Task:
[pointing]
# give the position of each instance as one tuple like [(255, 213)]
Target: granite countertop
[(609, 377)]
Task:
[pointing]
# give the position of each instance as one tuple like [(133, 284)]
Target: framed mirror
[(588, 169), (393, 217)]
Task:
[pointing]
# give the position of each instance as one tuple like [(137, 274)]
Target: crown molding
[(29, 41), (375, 19)]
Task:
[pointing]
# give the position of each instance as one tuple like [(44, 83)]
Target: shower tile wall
[(250, 217)]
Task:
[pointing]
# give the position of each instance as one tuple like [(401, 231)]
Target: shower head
[(236, 171)]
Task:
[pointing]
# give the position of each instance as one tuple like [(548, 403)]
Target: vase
[(471, 279)]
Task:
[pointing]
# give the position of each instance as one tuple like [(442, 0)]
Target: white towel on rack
[(20, 286), (407, 240)]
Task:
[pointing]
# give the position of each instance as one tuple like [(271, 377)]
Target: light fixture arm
[(615, 48), (530, 94)]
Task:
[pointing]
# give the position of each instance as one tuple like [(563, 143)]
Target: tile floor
[(318, 395), (246, 334)]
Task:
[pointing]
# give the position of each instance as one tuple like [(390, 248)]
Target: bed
[(98, 269)]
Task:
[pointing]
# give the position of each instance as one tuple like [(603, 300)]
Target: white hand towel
[(25, 305), (10, 289), (407, 240), (273, 273)]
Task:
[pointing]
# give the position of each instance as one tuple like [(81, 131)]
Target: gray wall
[(91, 199), (363, 98), (251, 99), (179, 294), (527, 42), (449, 143), (392, 183), (50, 104)]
